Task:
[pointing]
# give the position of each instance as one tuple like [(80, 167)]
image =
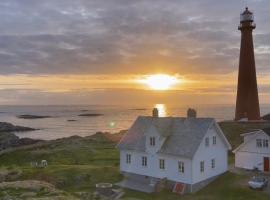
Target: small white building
[(254, 152), (186, 153)]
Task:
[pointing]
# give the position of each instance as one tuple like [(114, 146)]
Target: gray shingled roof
[(183, 135)]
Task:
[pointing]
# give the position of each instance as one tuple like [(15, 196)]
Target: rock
[(72, 120), (90, 115), (8, 139), (266, 117), (33, 116), (139, 109), (8, 127), (28, 194)]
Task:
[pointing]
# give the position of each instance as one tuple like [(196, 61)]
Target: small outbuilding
[(183, 154), (254, 152)]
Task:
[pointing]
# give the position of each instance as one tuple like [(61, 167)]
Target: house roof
[(182, 135), (253, 135)]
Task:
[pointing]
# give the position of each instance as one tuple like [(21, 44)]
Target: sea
[(65, 120)]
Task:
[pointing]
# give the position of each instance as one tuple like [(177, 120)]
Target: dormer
[(154, 140)]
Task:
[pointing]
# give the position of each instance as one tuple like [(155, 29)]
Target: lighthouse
[(247, 102)]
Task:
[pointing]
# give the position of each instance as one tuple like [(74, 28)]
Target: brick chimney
[(155, 112), (191, 113)]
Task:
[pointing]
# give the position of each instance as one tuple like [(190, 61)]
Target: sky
[(95, 51)]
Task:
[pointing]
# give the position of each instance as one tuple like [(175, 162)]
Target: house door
[(266, 164)]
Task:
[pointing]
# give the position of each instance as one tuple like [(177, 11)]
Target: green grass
[(77, 164)]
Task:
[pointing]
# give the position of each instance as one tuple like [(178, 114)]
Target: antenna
[(246, 3)]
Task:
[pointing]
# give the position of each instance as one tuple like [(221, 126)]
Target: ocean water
[(114, 119)]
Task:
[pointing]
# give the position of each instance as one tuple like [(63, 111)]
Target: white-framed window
[(152, 141), (214, 140), (213, 163), (207, 142), (259, 143), (265, 143), (181, 167), (202, 166), (128, 158), (161, 164), (144, 161)]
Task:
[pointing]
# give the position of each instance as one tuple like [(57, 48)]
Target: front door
[(266, 164)]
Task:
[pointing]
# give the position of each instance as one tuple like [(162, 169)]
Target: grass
[(77, 164)]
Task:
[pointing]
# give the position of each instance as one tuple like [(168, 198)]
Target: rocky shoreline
[(8, 127), (8, 139)]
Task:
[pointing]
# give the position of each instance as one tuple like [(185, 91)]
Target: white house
[(186, 153), (254, 152)]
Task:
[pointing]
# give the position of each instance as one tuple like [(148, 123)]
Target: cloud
[(118, 37)]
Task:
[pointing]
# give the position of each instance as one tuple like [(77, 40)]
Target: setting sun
[(160, 81)]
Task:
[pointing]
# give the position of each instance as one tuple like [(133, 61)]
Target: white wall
[(249, 160), (251, 146), (250, 156), (171, 166), (219, 152)]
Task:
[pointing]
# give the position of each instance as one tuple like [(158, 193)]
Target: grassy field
[(77, 164)]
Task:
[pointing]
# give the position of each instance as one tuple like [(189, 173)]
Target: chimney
[(191, 113), (155, 112)]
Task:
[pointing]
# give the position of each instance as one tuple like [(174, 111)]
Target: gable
[(249, 144), (221, 142), (152, 132), (221, 135)]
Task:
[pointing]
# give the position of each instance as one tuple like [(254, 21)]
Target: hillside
[(76, 164)]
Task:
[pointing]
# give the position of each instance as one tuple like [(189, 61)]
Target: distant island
[(139, 109), (91, 115), (33, 116)]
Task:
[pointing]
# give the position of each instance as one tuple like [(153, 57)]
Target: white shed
[(254, 152), (188, 152)]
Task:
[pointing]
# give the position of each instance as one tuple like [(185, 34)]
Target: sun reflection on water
[(161, 109)]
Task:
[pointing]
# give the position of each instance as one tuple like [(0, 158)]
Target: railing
[(247, 25)]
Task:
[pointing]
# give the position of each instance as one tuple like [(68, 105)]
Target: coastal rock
[(33, 116), (139, 109), (72, 120), (10, 140), (8, 127), (266, 117), (90, 115)]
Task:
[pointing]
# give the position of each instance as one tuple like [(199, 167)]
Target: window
[(161, 164), (202, 166), (214, 140), (152, 141), (181, 167), (265, 143), (213, 163), (207, 142), (259, 143), (144, 161), (128, 158)]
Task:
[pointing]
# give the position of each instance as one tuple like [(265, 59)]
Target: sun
[(160, 81)]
